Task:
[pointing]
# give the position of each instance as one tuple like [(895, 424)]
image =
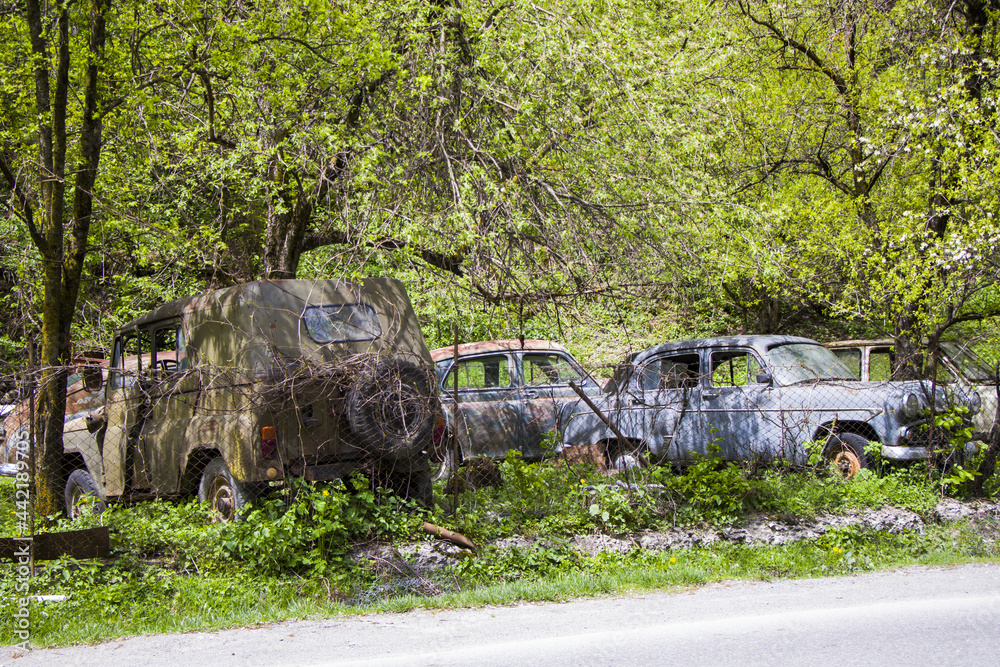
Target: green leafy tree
[(520, 149), (865, 151)]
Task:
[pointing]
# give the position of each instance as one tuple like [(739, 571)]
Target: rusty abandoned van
[(227, 393)]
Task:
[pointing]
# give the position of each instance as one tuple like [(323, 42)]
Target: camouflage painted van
[(227, 392)]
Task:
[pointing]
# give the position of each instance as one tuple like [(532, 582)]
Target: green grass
[(188, 603), (175, 571)]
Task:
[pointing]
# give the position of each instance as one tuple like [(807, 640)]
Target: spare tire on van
[(392, 408)]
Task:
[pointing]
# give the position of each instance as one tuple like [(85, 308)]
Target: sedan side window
[(481, 373), (548, 369), (679, 371), (734, 368), (881, 363)]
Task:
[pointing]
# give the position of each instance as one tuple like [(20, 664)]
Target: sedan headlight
[(911, 406), (975, 403)]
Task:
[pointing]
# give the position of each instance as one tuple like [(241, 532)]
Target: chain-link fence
[(158, 418)]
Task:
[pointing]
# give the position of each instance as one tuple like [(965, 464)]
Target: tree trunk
[(62, 257), (283, 242)]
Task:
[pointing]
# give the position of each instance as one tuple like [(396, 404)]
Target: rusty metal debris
[(445, 534)]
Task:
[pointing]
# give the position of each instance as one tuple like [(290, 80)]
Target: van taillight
[(268, 442)]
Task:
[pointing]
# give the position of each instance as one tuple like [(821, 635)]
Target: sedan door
[(543, 392), (671, 405), (487, 419), (735, 406)]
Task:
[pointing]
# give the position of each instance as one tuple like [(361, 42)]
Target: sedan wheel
[(846, 454)]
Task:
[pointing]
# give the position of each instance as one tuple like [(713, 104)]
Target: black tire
[(391, 408), (421, 488), (226, 496), (845, 452), (80, 484), (628, 455), (447, 466)]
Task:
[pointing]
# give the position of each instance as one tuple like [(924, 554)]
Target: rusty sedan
[(83, 393), (508, 394), (755, 397), (875, 361)]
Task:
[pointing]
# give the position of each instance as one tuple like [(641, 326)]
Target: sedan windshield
[(803, 362), (972, 367)]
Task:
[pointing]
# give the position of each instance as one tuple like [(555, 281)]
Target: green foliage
[(618, 510), (535, 561), (905, 487), (309, 528), (715, 490), (173, 569), (179, 533)]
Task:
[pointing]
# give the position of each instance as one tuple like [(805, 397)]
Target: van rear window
[(338, 323)]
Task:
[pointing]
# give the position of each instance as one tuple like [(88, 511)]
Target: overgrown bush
[(309, 528)]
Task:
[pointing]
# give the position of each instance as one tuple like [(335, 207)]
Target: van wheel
[(79, 485), (218, 488), (391, 408), (846, 453)]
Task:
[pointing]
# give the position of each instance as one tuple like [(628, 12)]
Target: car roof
[(758, 342), (861, 342), (296, 288), (482, 347)]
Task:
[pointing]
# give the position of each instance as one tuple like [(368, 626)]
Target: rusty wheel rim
[(76, 509), (222, 498), (846, 463)]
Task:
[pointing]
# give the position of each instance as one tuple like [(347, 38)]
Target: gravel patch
[(424, 558)]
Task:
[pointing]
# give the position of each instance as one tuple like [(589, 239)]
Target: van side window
[(170, 355), (131, 356), (115, 367), (881, 363), (851, 358)]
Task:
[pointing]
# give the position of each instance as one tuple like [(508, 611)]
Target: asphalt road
[(913, 616)]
